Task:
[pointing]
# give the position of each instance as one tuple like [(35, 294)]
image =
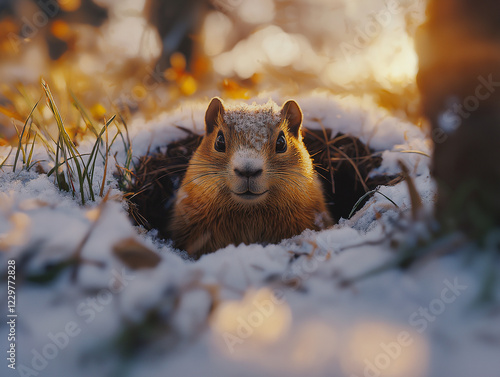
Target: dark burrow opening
[(343, 162)]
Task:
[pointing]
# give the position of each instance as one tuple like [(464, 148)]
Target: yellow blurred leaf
[(69, 5), (98, 111), (188, 85), (233, 90), (60, 29)]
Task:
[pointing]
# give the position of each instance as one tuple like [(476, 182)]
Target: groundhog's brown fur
[(244, 186)]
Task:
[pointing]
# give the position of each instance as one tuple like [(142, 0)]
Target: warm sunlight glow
[(350, 45), (256, 11), (402, 66), (258, 318), (383, 349), (216, 30), (391, 62), (132, 37), (281, 49), (252, 329)]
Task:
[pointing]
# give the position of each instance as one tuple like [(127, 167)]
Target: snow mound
[(244, 310)]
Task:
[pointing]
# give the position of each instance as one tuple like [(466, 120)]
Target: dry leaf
[(135, 255), (32, 204)]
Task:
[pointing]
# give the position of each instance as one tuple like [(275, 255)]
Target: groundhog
[(251, 180)]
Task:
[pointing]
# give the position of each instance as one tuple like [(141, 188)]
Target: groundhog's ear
[(214, 112), (292, 113)]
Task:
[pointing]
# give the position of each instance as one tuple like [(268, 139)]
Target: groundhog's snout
[(248, 172), (247, 178)]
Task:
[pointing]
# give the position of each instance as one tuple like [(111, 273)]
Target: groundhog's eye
[(220, 142), (281, 143)]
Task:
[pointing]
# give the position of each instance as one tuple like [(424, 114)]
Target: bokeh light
[(383, 349), (257, 316)]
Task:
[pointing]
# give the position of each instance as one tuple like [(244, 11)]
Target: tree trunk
[(459, 79)]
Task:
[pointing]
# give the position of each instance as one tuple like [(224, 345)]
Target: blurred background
[(147, 55)]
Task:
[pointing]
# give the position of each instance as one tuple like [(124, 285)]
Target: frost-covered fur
[(285, 195)]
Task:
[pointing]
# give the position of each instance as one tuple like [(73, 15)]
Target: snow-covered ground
[(278, 310)]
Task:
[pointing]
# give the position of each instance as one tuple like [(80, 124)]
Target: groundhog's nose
[(248, 172)]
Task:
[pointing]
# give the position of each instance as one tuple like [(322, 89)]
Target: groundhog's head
[(252, 154)]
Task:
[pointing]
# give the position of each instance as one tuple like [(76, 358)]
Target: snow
[(248, 310), (253, 121)]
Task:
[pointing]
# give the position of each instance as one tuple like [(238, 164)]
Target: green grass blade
[(93, 155), (360, 200), (389, 199), (56, 166), (81, 177), (65, 145), (101, 193), (27, 138), (51, 171), (30, 156), (52, 104), (34, 163), (6, 158), (19, 148), (369, 193), (85, 116), (37, 115), (114, 138), (127, 144), (90, 166), (48, 147), (68, 147)]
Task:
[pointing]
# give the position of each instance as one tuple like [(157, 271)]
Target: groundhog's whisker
[(212, 167), (204, 176), (200, 172), (288, 174), (287, 181), (214, 186), (203, 164), (181, 168)]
